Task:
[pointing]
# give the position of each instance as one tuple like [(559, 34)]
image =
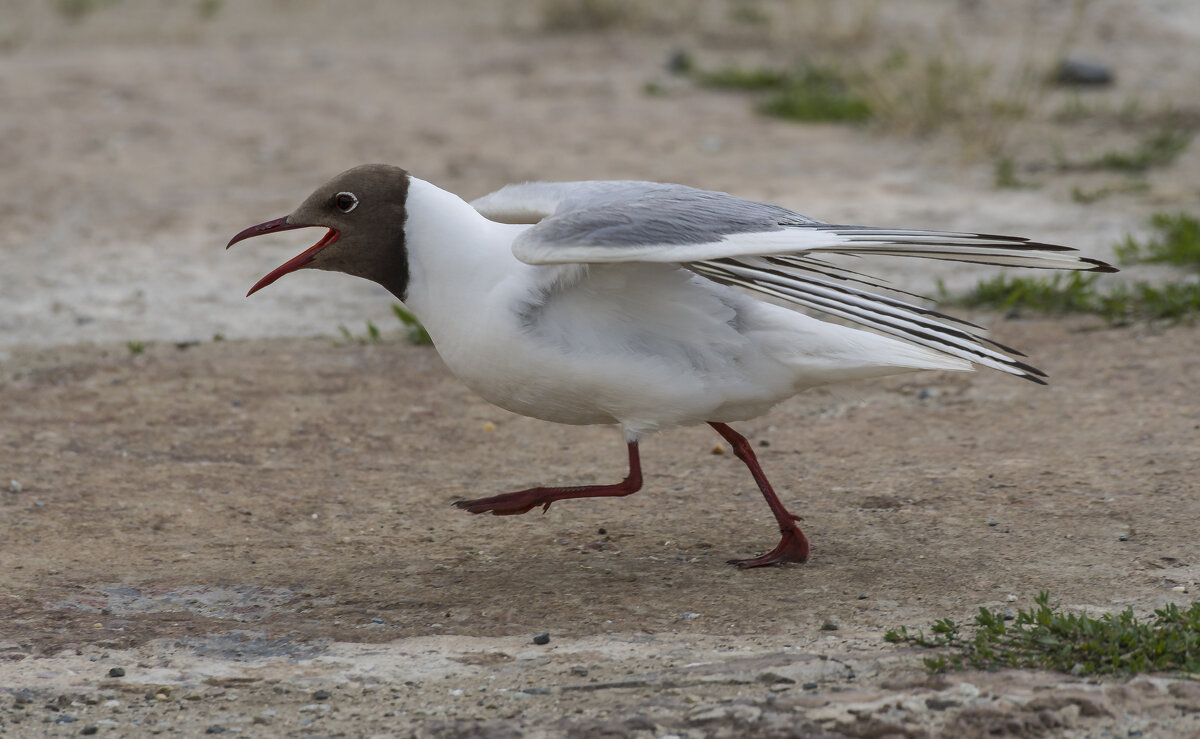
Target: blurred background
[(136, 136)]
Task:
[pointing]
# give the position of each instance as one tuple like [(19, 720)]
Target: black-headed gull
[(639, 304)]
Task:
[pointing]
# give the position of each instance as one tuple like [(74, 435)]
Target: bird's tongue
[(293, 264)]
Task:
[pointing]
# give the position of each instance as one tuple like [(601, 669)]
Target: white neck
[(455, 255)]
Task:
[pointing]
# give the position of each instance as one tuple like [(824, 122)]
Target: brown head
[(364, 210)]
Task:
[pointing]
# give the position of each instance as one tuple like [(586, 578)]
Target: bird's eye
[(345, 201)]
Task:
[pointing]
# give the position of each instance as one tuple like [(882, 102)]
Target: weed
[(816, 94), (415, 332), (739, 78), (1045, 638), (653, 89), (373, 336), (586, 15), (1072, 292), (77, 10), (748, 13), (136, 348), (1005, 175), (1087, 197), (1177, 243), (1156, 150)]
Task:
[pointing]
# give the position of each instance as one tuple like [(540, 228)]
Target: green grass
[(1155, 150), (1070, 292), (136, 348), (1005, 175), (373, 336), (414, 331), (587, 15), (741, 78), (1176, 242), (817, 95), (1045, 638), (808, 94), (1087, 197)]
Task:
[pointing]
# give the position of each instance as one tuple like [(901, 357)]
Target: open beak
[(293, 264)]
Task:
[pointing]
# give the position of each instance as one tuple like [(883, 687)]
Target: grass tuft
[(809, 94), (1156, 150), (1073, 292), (1045, 638), (414, 331), (1177, 242), (587, 15), (817, 95)]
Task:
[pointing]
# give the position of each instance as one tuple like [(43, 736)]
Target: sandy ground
[(257, 530)]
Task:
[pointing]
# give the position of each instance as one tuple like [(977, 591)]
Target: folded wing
[(766, 249)]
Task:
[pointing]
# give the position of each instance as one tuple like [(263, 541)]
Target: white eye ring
[(345, 201)]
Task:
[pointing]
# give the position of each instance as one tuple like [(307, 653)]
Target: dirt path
[(274, 516)]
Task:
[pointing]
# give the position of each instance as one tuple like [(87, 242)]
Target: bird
[(647, 305)]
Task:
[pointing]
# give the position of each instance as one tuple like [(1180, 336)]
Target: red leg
[(523, 501), (793, 547)]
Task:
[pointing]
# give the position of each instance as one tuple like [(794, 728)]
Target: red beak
[(293, 264)]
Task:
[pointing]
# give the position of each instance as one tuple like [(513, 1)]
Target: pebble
[(1077, 72), (542, 638), (322, 695), (90, 729), (117, 672), (314, 708), (831, 624), (579, 671), (215, 729), (14, 486)]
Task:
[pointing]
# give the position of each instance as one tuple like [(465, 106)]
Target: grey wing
[(766, 249)]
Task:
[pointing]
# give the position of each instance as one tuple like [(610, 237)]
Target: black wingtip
[(1100, 266)]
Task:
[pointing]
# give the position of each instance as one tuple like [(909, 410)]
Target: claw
[(793, 547)]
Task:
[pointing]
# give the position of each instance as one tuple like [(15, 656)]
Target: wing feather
[(767, 249)]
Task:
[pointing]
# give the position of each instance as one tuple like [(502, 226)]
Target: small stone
[(314, 708), (579, 670), (117, 672), (718, 449), (764, 443), (215, 729), (831, 624), (14, 486), (542, 638), (1010, 598), (89, 730), (322, 695), (810, 686), (689, 616), (1077, 72)]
